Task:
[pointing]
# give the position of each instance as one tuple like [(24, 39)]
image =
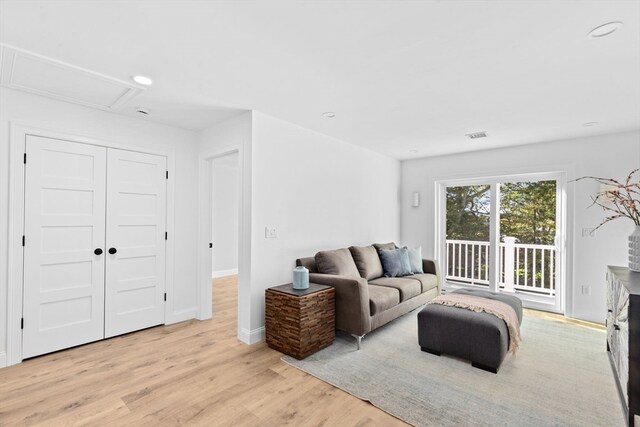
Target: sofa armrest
[(430, 266), (352, 302)]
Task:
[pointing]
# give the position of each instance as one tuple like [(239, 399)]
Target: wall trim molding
[(252, 336), (182, 315), (222, 273)]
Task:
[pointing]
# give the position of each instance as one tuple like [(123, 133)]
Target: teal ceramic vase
[(300, 278)]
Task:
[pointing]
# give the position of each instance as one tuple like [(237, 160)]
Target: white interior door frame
[(205, 231), (15, 255), (562, 212)]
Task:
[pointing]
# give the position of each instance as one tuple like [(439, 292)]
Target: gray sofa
[(365, 299)]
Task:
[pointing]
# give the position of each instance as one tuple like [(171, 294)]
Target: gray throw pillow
[(389, 245), (415, 259), (338, 262), (395, 262)]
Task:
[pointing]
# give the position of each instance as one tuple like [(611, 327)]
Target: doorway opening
[(224, 216), (221, 198)]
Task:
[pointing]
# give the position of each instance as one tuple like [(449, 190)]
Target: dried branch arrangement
[(619, 198)]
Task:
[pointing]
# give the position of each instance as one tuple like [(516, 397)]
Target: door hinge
[(25, 158), (167, 174), (210, 245), (23, 239), (165, 296), (22, 323), (166, 235)]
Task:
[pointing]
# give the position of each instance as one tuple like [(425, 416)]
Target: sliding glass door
[(505, 234), (468, 215)]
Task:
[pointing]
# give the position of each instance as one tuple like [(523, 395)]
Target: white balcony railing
[(529, 268)]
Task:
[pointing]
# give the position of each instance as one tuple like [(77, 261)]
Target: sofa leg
[(358, 339)]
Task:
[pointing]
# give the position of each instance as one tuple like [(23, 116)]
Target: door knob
[(98, 251), (112, 251)]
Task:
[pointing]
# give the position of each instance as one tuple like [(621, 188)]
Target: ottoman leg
[(484, 367), (428, 350)]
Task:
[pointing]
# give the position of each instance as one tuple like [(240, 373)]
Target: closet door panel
[(136, 219), (64, 224)]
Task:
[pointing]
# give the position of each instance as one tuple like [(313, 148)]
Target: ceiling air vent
[(30, 72), (476, 135)]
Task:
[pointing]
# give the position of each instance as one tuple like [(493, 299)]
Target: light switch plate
[(270, 232)]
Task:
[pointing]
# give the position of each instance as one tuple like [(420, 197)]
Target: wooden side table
[(300, 322)]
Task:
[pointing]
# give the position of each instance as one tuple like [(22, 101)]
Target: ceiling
[(404, 78)]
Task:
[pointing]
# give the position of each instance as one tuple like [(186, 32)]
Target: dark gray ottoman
[(480, 337)]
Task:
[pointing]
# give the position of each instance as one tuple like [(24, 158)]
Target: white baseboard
[(251, 337), (182, 315), (3, 359), (222, 273)]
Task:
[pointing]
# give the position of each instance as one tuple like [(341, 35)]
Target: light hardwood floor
[(191, 373)]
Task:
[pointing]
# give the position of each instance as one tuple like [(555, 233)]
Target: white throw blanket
[(478, 304)]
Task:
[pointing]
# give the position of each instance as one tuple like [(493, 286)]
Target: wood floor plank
[(192, 373)]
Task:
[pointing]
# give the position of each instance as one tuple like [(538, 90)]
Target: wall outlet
[(270, 232), (586, 290), (588, 232)]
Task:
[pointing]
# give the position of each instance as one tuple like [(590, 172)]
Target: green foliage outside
[(527, 212), (468, 210)]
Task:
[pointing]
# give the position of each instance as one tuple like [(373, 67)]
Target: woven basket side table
[(300, 322)]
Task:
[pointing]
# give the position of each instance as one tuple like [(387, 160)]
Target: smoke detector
[(476, 135)]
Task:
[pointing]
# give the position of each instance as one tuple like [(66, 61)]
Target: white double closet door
[(94, 255)]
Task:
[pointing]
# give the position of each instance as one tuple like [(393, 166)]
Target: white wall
[(232, 135), (607, 156), (225, 215), (35, 111), (321, 193)]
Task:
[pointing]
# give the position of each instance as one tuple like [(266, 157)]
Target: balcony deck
[(526, 267)]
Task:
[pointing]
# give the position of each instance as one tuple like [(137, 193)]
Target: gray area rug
[(561, 376)]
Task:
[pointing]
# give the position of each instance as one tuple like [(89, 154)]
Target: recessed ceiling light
[(604, 29), (143, 80), (589, 124), (476, 135), (328, 114)]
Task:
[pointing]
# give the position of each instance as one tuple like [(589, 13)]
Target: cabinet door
[(64, 224), (610, 317), (136, 218), (621, 359)]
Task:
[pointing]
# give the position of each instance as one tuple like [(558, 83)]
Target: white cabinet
[(94, 245)]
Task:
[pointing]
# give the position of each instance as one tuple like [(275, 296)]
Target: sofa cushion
[(415, 259), (382, 298), (367, 261), (395, 262), (308, 262), (407, 287), (428, 281), (338, 262), (389, 245)]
